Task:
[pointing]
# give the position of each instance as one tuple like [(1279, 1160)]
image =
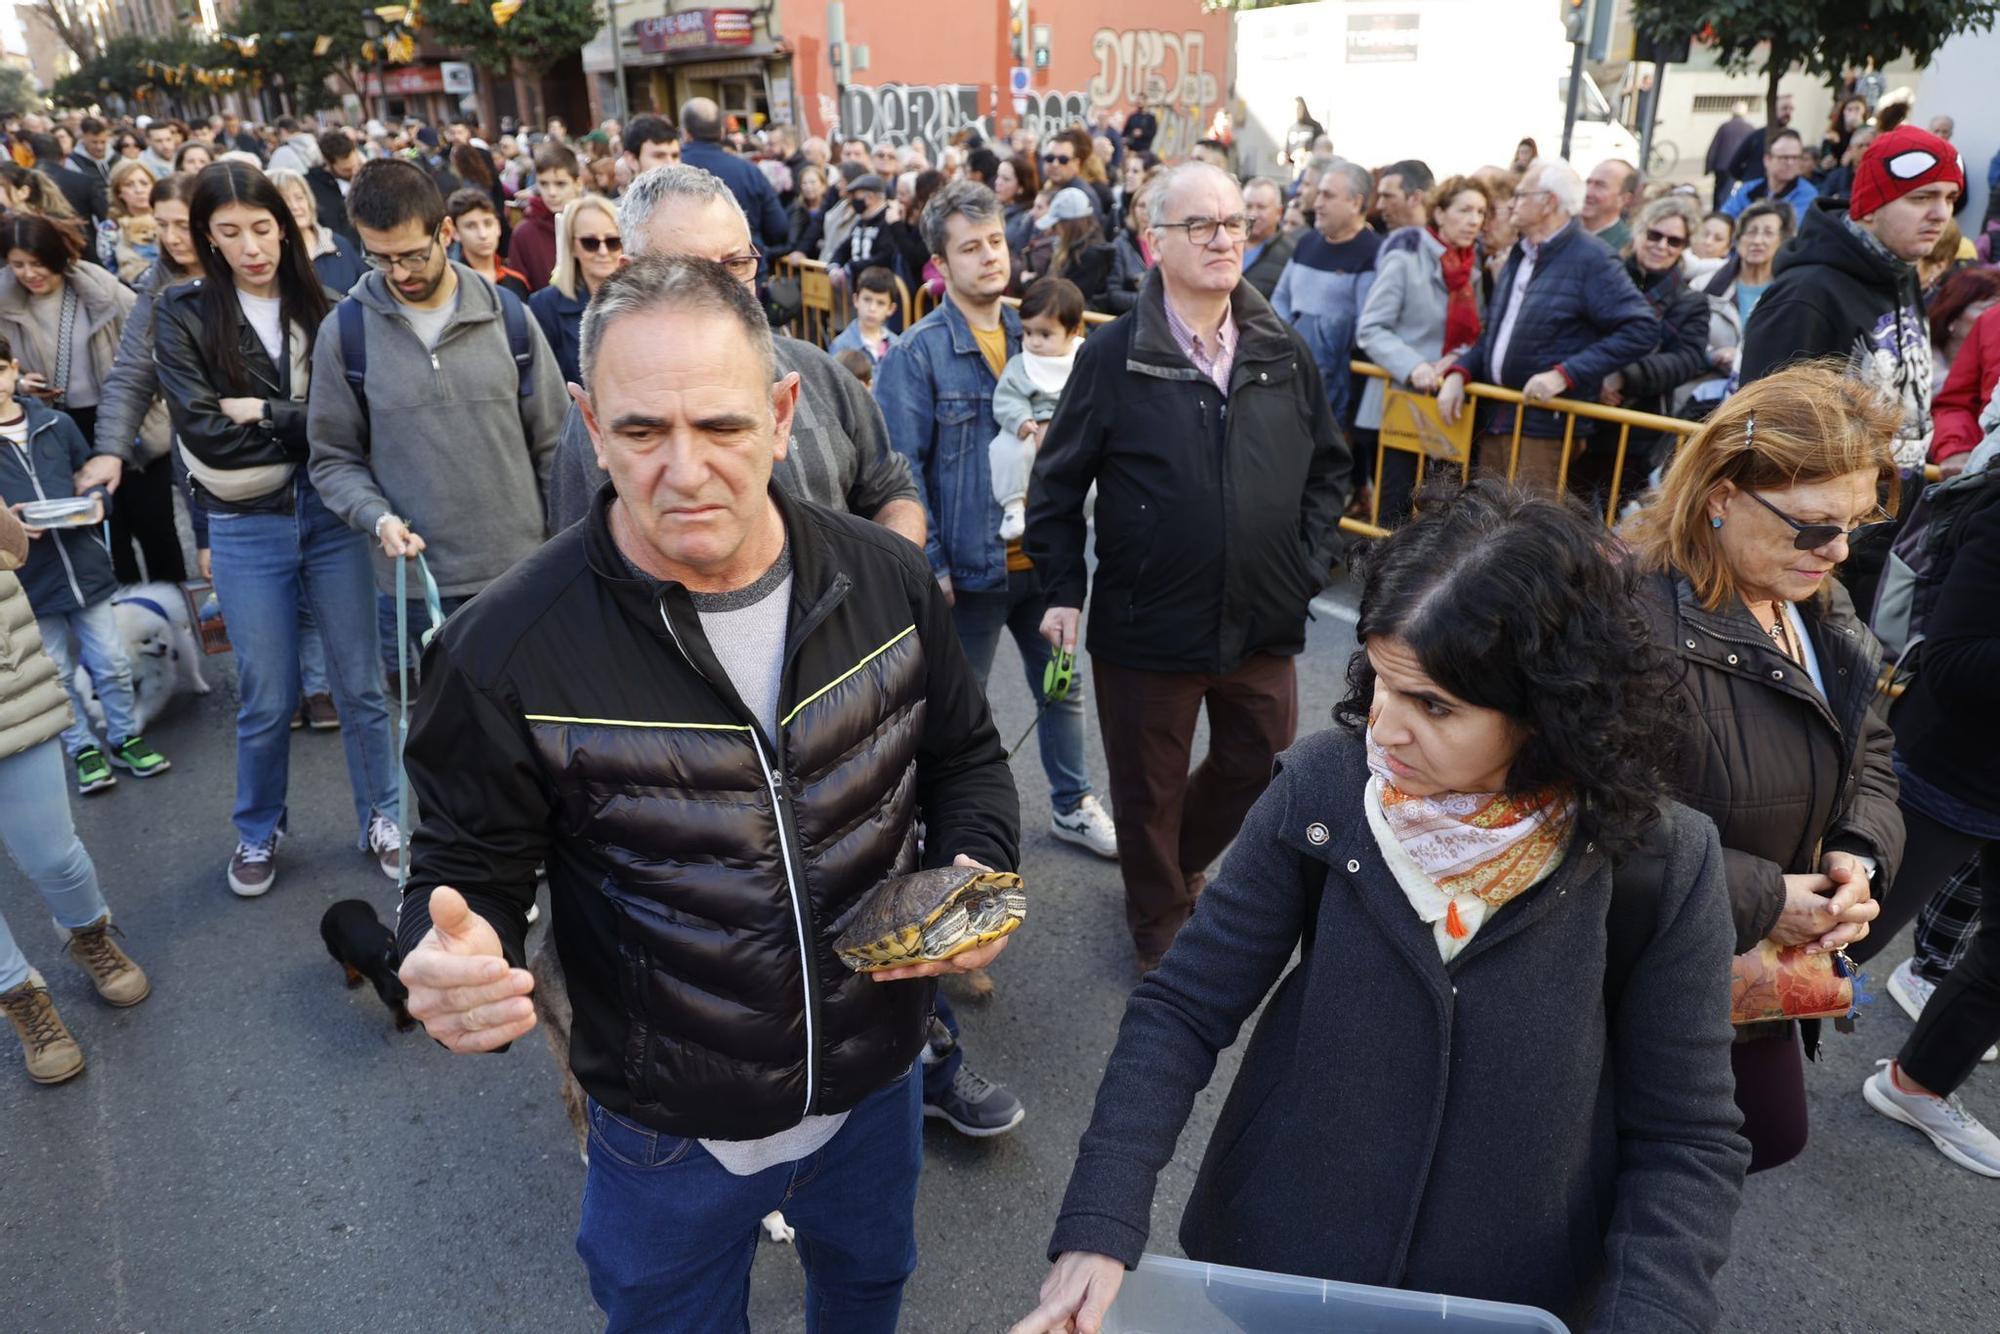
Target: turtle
[(930, 916)]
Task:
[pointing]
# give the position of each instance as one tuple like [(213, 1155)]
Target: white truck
[(1455, 83)]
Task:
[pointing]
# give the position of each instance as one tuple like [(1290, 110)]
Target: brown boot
[(52, 1053), (116, 977)]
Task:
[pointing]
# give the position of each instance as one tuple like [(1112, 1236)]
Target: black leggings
[(1771, 1094), (143, 513)]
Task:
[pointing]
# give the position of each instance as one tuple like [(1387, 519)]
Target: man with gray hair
[(1327, 280), (1563, 316), (1220, 476), (1268, 246), (702, 123), (936, 390), (840, 455), (717, 714)]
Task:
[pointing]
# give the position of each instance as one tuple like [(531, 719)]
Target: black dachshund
[(361, 945)]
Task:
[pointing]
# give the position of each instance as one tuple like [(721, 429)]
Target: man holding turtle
[(788, 701)]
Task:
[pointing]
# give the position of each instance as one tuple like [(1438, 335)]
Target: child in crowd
[(477, 228), (1028, 391), (69, 583), (859, 364), (874, 305)]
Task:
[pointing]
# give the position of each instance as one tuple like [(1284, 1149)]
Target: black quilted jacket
[(699, 869)]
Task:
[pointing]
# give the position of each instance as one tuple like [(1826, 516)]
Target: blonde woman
[(122, 244), (588, 250), (333, 258)]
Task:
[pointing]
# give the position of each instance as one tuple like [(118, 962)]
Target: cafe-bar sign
[(694, 30)]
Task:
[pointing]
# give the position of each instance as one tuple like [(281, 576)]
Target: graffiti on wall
[(1134, 66)]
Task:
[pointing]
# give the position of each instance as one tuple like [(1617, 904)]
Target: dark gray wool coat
[(1481, 1128)]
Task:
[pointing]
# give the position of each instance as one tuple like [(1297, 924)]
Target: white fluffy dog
[(159, 643)]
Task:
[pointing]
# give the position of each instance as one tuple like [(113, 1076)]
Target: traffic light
[(1017, 30), (1576, 21)]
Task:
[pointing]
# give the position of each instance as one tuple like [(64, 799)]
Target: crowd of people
[(300, 361)]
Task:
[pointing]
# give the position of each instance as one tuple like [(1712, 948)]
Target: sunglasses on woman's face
[(1813, 536), (1658, 237), (593, 244)]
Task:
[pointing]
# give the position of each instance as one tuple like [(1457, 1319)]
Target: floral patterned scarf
[(1488, 845)]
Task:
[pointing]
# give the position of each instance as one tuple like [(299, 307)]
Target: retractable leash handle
[(1058, 676), (434, 613)]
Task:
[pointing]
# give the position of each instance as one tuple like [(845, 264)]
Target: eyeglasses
[(410, 263), (743, 267), (1200, 231), (609, 244), (1813, 536), (1060, 159), (1658, 237)]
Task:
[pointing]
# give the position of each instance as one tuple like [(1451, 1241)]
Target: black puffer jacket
[(1786, 775), (1217, 517), (700, 870), (1682, 355)]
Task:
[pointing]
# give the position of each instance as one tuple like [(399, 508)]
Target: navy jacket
[(752, 189), (68, 569), (561, 318), (1582, 316), (1509, 1126)]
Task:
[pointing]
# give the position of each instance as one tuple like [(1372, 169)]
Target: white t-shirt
[(429, 323), (266, 315)]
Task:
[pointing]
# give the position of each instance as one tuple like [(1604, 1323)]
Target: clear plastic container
[(1165, 1296)]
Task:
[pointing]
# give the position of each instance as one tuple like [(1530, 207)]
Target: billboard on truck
[(1456, 83)]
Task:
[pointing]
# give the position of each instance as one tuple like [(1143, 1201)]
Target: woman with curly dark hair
[(1500, 1068), (1783, 753)]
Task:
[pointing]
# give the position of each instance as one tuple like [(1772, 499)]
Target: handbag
[(1769, 983)]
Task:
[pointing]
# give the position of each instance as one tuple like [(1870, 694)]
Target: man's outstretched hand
[(459, 981)]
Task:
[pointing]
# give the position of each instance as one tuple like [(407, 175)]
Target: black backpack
[(1916, 568), (354, 343)]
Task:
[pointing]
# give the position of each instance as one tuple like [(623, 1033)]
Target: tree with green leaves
[(540, 33), (1826, 38), (286, 32), (17, 91)]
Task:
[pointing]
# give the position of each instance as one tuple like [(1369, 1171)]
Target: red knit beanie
[(1904, 159)]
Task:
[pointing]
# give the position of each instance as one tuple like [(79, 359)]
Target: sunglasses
[(1060, 159), (1658, 237), (1813, 536), (592, 244)]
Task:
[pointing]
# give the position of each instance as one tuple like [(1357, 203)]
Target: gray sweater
[(840, 455), (1482, 1128), (455, 448)]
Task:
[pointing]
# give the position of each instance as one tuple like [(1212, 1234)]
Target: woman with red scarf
[(1500, 1067), (1423, 310)]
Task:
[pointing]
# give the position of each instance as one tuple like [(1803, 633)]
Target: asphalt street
[(255, 1147)]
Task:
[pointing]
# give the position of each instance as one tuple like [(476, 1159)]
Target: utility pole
[(1576, 28), (617, 63)]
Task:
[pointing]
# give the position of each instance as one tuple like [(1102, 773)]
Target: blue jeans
[(35, 826), (667, 1235), (312, 653), (979, 618), (263, 564), (91, 635), (940, 1061), (419, 622)]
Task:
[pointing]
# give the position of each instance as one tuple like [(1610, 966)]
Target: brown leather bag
[(1770, 983)]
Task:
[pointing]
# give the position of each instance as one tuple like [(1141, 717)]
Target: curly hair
[(1523, 604)]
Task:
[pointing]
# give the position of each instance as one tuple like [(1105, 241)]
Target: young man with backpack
[(465, 386)]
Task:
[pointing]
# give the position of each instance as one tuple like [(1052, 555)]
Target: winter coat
[(1967, 390), (1402, 322), (1215, 529), (1128, 275), (335, 261), (700, 870), (1682, 355), (1581, 316), (330, 205), (104, 305), (457, 448), (1786, 773), (1837, 295), (561, 319), (1511, 1126), (34, 707), (1269, 266), (67, 569), (129, 405), (531, 250)]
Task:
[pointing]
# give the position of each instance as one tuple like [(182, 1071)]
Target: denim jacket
[(936, 392)]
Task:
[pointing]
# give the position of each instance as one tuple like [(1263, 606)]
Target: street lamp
[(371, 28)]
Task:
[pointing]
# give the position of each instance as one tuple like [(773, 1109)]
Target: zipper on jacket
[(28, 462), (787, 836)]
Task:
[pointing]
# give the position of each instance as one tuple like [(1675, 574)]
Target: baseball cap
[(1069, 204), (867, 181)]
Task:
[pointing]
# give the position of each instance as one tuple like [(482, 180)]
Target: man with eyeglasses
[(1784, 178), (1221, 475), (446, 445)]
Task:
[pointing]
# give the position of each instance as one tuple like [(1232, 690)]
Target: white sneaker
[(1913, 992), (385, 842), (1013, 520), (1088, 826), (1958, 1134)]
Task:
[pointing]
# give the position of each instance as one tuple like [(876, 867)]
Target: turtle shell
[(930, 916)]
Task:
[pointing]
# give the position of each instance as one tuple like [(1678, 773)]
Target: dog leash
[(1058, 675), (434, 611)]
